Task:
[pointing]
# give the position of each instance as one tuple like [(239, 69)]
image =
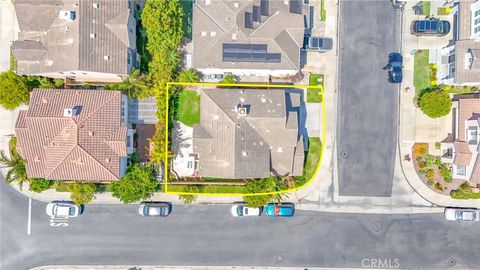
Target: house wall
[(84, 76)]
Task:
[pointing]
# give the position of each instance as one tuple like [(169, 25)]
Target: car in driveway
[(432, 27), (242, 210), (280, 209), (395, 66), (62, 209), (317, 44), (154, 209), (462, 214)]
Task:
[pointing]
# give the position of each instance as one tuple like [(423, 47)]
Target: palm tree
[(17, 172), (135, 84), (189, 76)]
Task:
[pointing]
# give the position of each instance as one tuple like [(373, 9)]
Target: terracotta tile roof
[(463, 155), (87, 146), (467, 107)]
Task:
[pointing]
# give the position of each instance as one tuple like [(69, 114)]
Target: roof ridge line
[(284, 53), (96, 160), (61, 161), (210, 17), (100, 107)]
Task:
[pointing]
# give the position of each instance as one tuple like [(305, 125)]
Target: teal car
[(280, 209)]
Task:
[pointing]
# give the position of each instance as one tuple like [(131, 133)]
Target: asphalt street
[(208, 235), (367, 104)]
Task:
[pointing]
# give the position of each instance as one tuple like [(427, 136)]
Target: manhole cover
[(377, 226), (452, 262), (280, 258), (344, 153)]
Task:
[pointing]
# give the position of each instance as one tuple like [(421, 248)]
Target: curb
[(161, 267)]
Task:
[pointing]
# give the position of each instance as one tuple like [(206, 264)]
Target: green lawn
[(187, 6), (459, 90), (323, 12), (314, 95), (312, 157), (210, 189), (421, 76), (426, 7), (189, 107)]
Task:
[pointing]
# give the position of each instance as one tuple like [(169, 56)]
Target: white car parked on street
[(462, 214), (241, 210), (57, 209)]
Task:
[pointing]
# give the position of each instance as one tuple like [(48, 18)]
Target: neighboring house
[(248, 38), (248, 134), (78, 135), (82, 40), (463, 147), (463, 56)]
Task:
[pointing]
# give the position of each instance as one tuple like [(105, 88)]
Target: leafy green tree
[(435, 104), (189, 198), (134, 85), (228, 79), (13, 90), (271, 184), (137, 184), (17, 171), (39, 184), (82, 193), (43, 82), (189, 76)]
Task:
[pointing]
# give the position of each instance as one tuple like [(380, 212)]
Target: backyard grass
[(187, 6), (209, 189), (312, 157), (323, 12), (189, 107), (314, 95), (421, 76), (426, 7)]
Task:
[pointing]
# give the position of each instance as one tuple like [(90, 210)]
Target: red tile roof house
[(76, 135), (464, 150)]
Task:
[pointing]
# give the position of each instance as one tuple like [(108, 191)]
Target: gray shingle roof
[(230, 145), (98, 40), (223, 21)]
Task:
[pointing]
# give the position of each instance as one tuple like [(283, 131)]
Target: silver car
[(157, 209), (462, 214), (57, 209), (317, 44)]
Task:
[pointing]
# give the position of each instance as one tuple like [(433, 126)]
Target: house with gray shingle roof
[(77, 135), (252, 37), (250, 133), (83, 40)]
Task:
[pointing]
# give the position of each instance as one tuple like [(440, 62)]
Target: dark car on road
[(395, 62), (280, 209), (432, 27)]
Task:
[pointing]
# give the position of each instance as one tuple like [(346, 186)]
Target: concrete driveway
[(367, 104)]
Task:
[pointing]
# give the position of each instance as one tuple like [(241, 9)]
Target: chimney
[(69, 112)]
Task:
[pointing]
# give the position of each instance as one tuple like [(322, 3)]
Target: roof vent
[(96, 5), (207, 2), (234, 36), (108, 160), (69, 112), (106, 57), (45, 100), (236, 4), (67, 15), (242, 110), (36, 159), (93, 35), (91, 133), (244, 153)]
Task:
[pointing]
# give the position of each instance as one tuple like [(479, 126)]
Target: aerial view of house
[(248, 37), (248, 134), (462, 148), (78, 135), (78, 40)]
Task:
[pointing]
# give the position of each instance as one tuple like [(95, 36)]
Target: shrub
[(82, 193), (435, 104), (430, 183), (60, 186), (437, 145), (447, 175), (420, 149), (429, 174), (438, 187), (13, 90), (464, 191), (39, 184), (432, 160), (422, 165), (260, 186), (137, 184), (189, 198)]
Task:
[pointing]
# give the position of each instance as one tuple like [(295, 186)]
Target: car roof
[(63, 210)]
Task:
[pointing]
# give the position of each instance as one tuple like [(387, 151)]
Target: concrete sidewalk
[(163, 267)]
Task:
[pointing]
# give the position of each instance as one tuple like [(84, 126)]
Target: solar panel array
[(233, 52), (257, 17), (249, 20), (264, 8), (296, 6)]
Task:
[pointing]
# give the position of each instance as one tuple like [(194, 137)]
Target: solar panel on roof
[(248, 20), (264, 8), (273, 58), (233, 52), (244, 48), (256, 14), (296, 6)]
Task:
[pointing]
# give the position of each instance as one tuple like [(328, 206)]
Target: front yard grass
[(314, 95), (312, 157), (189, 107), (426, 7), (421, 76), (209, 189), (465, 191), (323, 12)]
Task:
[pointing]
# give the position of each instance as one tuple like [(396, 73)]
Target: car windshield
[(439, 27), (72, 211), (146, 209), (240, 210)]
